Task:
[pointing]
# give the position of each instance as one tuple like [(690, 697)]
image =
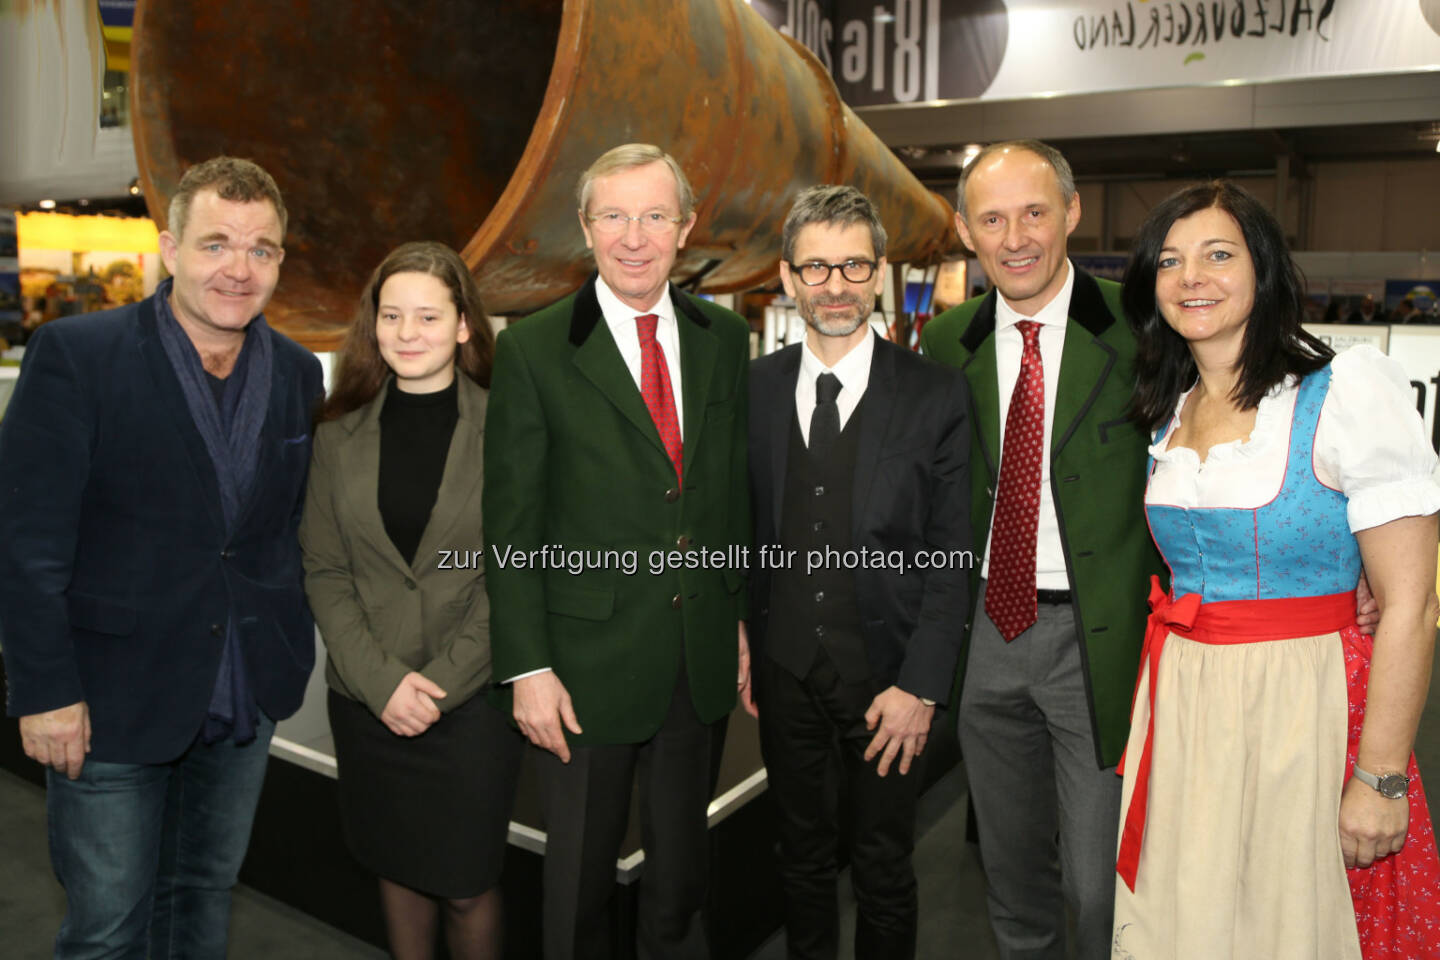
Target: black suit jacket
[(912, 495), (116, 576)]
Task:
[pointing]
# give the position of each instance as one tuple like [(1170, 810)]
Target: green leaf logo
[(1197, 55)]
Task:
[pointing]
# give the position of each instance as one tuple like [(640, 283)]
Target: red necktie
[(655, 387), (1010, 590)]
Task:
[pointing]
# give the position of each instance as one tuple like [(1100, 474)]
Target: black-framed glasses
[(813, 273)]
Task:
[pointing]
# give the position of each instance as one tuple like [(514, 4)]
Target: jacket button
[(409, 584), (672, 494), (683, 542), (819, 490), (217, 630), (227, 554), (819, 596), (675, 602)]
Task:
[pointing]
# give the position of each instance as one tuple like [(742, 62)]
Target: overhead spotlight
[(47, 204), (135, 187), (83, 202)]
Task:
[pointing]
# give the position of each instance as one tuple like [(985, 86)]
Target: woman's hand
[(411, 708), (1371, 826)]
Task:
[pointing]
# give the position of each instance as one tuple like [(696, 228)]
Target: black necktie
[(825, 421)]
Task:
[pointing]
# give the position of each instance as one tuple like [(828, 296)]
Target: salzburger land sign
[(905, 51)]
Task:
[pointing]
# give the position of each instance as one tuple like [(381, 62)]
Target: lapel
[(879, 403), (598, 359), (172, 402), (782, 398), (462, 471), (981, 371), (1086, 361), (361, 479), (698, 350)]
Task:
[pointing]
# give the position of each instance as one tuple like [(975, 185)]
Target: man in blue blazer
[(152, 616)]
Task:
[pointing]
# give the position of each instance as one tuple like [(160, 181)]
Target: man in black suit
[(152, 616), (859, 474)]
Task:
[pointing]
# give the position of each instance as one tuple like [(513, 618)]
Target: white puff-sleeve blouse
[(1370, 444)]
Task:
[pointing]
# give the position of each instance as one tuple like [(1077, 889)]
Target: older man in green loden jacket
[(615, 500)]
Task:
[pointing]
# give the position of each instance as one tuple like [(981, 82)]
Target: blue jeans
[(148, 853)]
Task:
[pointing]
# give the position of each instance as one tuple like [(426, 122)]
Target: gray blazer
[(380, 617)]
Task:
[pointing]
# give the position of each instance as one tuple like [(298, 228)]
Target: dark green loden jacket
[(573, 460), (1097, 477)]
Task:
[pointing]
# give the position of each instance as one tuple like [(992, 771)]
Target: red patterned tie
[(1010, 591), (655, 387)]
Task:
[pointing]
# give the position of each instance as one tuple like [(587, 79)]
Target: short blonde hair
[(628, 156)]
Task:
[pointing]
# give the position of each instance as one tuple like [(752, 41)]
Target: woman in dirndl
[(1271, 806)]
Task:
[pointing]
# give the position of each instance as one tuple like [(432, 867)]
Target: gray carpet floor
[(952, 892)]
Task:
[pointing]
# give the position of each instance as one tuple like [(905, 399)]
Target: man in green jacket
[(615, 500), (1053, 643)]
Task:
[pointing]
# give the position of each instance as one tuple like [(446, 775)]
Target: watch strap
[(1384, 785)]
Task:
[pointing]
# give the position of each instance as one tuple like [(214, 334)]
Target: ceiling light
[(47, 204)]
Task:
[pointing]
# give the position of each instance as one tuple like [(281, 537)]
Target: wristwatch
[(1392, 786)]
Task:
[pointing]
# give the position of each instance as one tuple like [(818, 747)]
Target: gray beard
[(807, 311)]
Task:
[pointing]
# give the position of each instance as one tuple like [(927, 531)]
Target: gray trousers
[(1029, 753)]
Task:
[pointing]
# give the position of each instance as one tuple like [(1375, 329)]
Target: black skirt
[(430, 812)]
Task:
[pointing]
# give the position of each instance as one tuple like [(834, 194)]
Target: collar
[(617, 312), (1054, 313), (853, 369)]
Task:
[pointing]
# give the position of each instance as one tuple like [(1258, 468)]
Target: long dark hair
[(361, 371), (1274, 345)]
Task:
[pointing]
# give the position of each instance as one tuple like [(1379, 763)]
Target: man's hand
[(1371, 826), (411, 708), (747, 692), (541, 704), (58, 738), (1367, 609), (904, 724)]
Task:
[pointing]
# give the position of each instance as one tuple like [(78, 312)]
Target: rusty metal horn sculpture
[(469, 123)]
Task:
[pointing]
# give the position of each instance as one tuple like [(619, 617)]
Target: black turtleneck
[(415, 432)]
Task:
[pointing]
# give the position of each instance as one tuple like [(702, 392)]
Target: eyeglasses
[(814, 272), (612, 222)]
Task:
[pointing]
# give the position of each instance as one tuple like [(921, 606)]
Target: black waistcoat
[(818, 609)]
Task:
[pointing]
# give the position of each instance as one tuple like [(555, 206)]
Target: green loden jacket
[(1097, 477), (573, 462)]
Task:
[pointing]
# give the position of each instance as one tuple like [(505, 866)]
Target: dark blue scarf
[(231, 432)]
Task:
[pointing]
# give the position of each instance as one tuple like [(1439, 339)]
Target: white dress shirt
[(1009, 344), (620, 318), (853, 372), (1369, 444)]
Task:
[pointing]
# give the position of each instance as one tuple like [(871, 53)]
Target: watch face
[(1394, 785)]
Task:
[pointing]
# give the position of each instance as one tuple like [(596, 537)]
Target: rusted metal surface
[(386, 121)]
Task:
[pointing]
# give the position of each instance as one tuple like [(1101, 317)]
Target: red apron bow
[(1223, 622), (1166, 614)]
